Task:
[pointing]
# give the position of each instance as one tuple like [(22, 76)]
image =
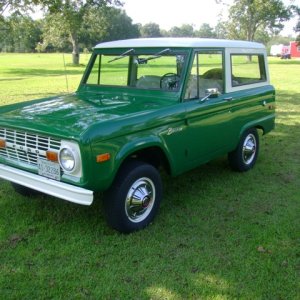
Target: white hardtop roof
[(179, 42)]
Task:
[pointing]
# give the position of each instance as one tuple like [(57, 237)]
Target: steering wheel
[(169, 81)]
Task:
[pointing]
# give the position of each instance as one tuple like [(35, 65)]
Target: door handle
[(228, 99)]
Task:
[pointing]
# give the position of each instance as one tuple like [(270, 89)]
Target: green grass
[(27, 76), (219, 234)]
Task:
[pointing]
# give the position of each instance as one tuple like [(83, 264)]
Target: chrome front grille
[(26, 147)]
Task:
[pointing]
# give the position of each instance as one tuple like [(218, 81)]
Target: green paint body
[(123, 120)]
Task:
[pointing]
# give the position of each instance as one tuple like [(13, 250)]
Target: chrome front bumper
[(48, 186)]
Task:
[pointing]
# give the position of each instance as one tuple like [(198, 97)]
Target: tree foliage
[(150, 30), (19, 33), (185, 30), (14, 5), (206, 31), (247, 17), (67, 17), (106, 24), (221, 30), (297, 28), (71, 25)]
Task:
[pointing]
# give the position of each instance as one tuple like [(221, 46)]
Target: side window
[(247, 69), (206, 73)]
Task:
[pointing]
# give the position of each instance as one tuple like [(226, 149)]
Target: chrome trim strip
[(48, 186)]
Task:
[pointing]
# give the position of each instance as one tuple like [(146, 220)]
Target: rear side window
[(247, 69)]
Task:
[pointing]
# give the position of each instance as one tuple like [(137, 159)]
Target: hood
[(71, 115)]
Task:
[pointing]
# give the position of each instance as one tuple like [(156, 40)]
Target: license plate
[(49, 169)]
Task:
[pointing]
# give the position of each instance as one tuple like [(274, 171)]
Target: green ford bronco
[(142, 105)]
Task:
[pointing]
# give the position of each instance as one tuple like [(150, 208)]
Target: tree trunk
[(75, 52)]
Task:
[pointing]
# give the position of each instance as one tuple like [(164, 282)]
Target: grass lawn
[(219, 234), (27, 76)]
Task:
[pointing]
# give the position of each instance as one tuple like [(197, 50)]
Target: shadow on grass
[(40, 72), (284, 61), (286, 97), (10, 79)]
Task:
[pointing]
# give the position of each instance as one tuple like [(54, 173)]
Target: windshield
[(161, 70)]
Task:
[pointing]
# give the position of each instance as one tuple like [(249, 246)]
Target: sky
[(169, 13)]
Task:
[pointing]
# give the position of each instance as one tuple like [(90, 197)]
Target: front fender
[(120, 149), (142, 143)]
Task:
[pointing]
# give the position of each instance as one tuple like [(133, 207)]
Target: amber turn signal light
[(2, 143), (103, 157), (51, 155)]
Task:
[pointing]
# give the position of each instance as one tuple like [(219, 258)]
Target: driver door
[(208, 118)]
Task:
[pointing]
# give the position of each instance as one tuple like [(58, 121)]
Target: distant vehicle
[(276, 50), (142, 105), (286, 51)]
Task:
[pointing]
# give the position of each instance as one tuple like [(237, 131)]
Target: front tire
[(133, 200), (244, 157)]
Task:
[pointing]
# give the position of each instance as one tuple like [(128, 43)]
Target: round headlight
[(67, 159)]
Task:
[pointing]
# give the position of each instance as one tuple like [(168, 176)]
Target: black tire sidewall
[(236, 157), (115, 197)]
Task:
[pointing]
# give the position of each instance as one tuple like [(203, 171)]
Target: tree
[(246, 17), (297, 28), (107, 24), (6, 5), (150, 30), (205, 31), (65, 17), (20, 6), (221, 30), (262, 36), (186, 30), (3, 31), (56, 35), (21, 34)]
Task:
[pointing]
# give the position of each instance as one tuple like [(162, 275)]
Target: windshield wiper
[(126, 53), (157, 55)]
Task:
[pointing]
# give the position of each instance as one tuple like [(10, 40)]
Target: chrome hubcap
[(249, 149), (140, 200)]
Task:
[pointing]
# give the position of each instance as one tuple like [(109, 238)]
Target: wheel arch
[(244, 156), (265, 124), (248, 126), (149, 151)]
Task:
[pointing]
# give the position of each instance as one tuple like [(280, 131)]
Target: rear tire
[(133, 200), (244, 157)]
